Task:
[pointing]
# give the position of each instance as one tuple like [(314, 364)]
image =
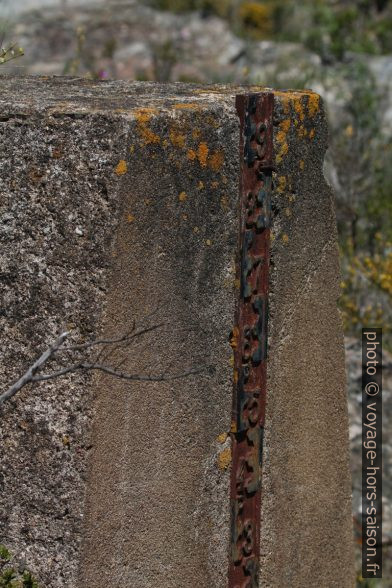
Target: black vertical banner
[(372, 453)]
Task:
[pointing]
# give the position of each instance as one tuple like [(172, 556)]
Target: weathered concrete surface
[(306, 483), (121, 199)]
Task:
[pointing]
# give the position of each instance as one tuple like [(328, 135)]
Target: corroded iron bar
[(249, 339)]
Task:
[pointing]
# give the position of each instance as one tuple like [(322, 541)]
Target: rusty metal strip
[(249, 339)]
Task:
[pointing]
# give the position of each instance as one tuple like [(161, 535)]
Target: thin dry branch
[(27, 377), (33, 375)]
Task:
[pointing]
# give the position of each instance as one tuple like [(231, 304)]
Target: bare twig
[(33, 374), (27, 378), (113, 372)]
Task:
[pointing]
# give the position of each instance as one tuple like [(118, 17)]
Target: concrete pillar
[(123, 201)]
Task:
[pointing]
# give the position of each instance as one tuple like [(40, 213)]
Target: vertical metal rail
[(249, 339)]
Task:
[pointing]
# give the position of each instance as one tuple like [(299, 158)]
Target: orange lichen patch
[(202, 154), (182, 197), (301, 164), (233, 427), (311, 133), (148, 136), (143, 116), (121, 167), (177, 139), (214, 185), (282, 182), (208, 242), (186, 106), (235, 376), (285, 238), (216, 160), (222, 437), (196, 133), (281, 136), (301, 131), (224, 459), (298, 107), (191, 155), (282, 152), (234, 338), (130, 217), (313, 104), (285, 125), (200, 185)]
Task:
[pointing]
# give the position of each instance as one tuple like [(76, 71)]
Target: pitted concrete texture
[(120, 203)]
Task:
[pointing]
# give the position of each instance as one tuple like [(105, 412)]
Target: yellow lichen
[(285, 125), (177, 139), (298, 107), (301, 164), (224, 459), (222, 437), (214, 184), (282, 152), (281, 136), (285, 238), (143, 116), (148, 136), (182, 197), (287, 212), (186, 106), (130, 218), (302, 132), (191, 155), (282, 181), (234, 338), (311, 133), (121, 167), (208, 242), (216, 160), (235, 376), (237, 284), (202, 154), (313, 104), (233, 427), (200, 185), (196, 229), (196, 133)]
